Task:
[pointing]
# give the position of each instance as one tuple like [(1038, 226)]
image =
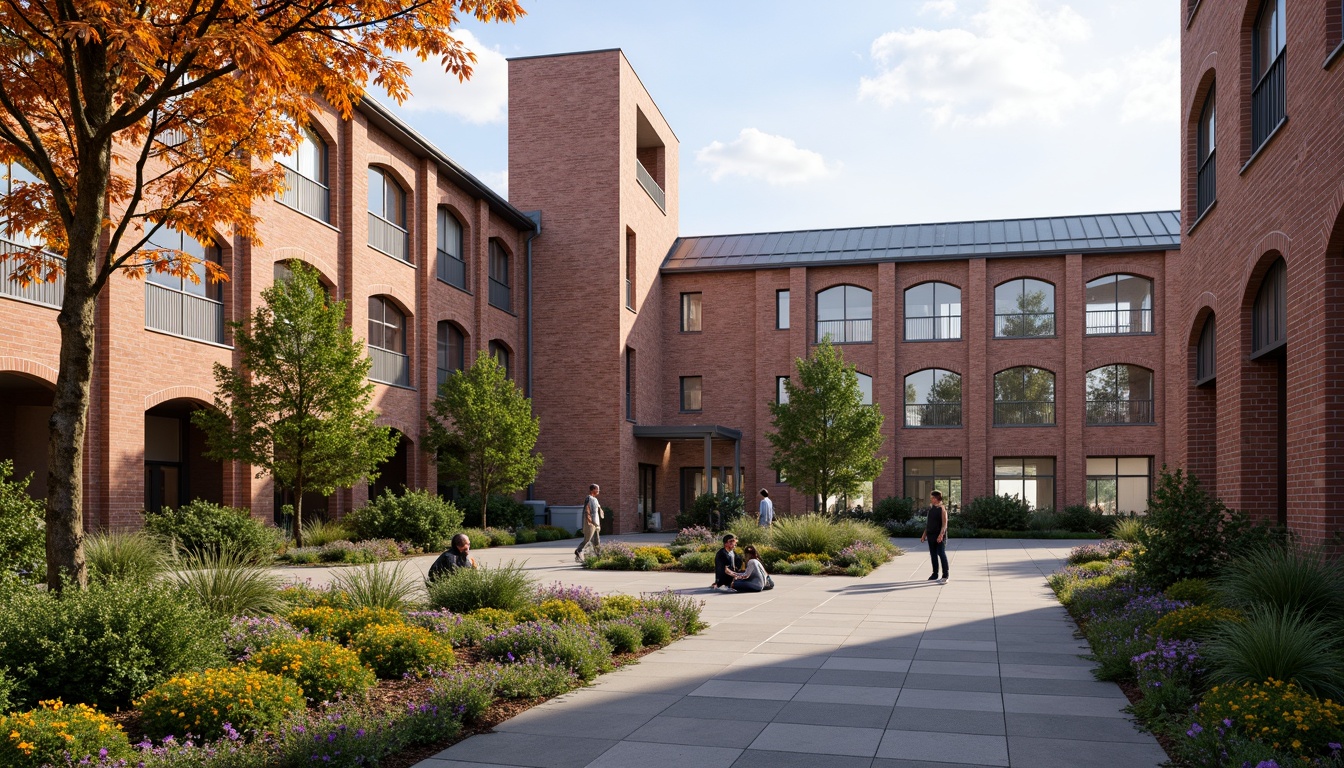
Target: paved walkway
[(888, 671)]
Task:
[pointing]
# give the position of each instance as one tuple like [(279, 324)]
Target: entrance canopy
[(708, 433)]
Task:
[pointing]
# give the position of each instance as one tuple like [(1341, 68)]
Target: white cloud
[(759, 155), (484, 98), (942, 8), (498, 181), (1153, 80)]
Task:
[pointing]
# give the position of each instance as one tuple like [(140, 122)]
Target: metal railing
[(183, 314), (452, 270), (845, 331), (390, 367), (1010, 413), (1024, 325), (1117, 322), (1206, 184), (306, 196), (1119, 412), (389, 238), (647, 181), (933, 415), (501, 295), (946, 327), (39, 291), (1267, 101)]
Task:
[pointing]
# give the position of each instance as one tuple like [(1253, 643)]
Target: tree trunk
[(298, 514), (485, 503)]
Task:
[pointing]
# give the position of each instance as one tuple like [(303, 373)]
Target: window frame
[(631, 372), (444, 347), (952, 497), (1092, 481), (502, 355), (782, 305), (1117, 404), (1206, 150), (388, 181), (781, 392), (442, 272), (1053, 402), (1024, 477), (386, 304), (698, 316), (871, 394), (1145, 313), (935, 317), (925, 405), (845, 319), (1269, 312), (1000, 318), (700, 387), (1206, 352)]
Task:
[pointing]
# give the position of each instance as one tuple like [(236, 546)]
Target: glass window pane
[(1132, 494), (1006, 297), (919, 301), (917, 387), (376, 202), (450, 234), (690, 393), (946, 467), (1101, 293), (866, 388), (831, 304), (1100, 465), (1007, 467), (782, 310), (1041, 493), (858, 303), (781, 392), (1101, 493), (1040, 466), (1009, 488), (1037, 296), (690, 312), (919, 467), (1134, 466)]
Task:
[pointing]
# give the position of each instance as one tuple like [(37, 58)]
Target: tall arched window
[(1024, 396), (845, 315), (452, 350), (1269, 40), (387, 343), (1119, 304), (1024, 308), (1206, 354), (306, 187), (500, 352), (452, 265), (933, 398), (387, 216), (1120, 394), (501, 290), (1206, 184), (1269, 329), (932, 312), (180, 305)]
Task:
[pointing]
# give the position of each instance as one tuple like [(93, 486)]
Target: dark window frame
[(1206, 352), (1269, 313), (444, 349), (681, 402), (782, 312), (935, 317), (1001, 318), (1120, 411), (1000, 413), (444, 271), (1145, 314), (1092, 480), (1053, 476), (379, 341), (845, 319), (1206, 147), (925, 408), (952, 497)]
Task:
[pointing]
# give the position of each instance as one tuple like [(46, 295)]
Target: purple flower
[(1195, 730)]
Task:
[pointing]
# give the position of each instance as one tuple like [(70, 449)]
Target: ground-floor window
[(924, 476), (1119, 483), (1031, 479), (722, 480)]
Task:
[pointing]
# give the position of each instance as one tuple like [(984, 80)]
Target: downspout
[(535, 216)]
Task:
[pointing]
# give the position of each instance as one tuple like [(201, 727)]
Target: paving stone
[(819, 739), (953, 682), (974, 749), (760, 758), (848, 694), (860, 677), (648, 755), (819, 713), (1062, 687), (751, 710), (725, 731), (747, 690), (1063, 753), (946, 721), (1092, 706), (1074, 727), (979, 701), (525, 749)]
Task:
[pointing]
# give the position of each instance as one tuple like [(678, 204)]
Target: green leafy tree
[(298, 407), (825, 440), (484, 432)]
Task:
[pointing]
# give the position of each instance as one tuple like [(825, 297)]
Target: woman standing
[(935, 532)]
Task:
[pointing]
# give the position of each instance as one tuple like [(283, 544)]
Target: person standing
[(725, 563), (458, 555), (935, 532), (592, 522), (767, 509)]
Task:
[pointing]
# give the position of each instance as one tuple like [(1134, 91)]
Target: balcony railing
[(933, 328), (306, 196), (183, 314), (390, 367), (1008, 413), (452, 270), (389, 238), (39, 291), (1024, 325), (1117, 322), (1267, 101), (647, 181), (1206, 184), (933, 415), (500, 295), (846, 331), (1119, 412)]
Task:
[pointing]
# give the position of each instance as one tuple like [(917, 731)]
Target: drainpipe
[(535, 216)]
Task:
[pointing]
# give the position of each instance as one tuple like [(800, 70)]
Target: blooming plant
[(661, 554), (325, 671), (1108, 549), (457, 629), (616, 607), (1119, 634), (695, 535), (209, 703), (247, 634), (578, 647), (863, 553), (588, 599), (394, 650), (1277, 714), (44, 735), (625, 635), (558, 611), (494, 618), (1194, 622), (656, 626), (341, 624)]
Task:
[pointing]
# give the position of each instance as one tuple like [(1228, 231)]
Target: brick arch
[(1024, 364), (388, 166), (1206, 302), (388, 291), (325, 264), (31, 368), (199, 394), (1026, 276), (327, 137), (400, 425), (1108, 272), (917, 367)]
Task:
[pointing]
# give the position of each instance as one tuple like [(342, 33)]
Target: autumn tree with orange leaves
[(135, 116)]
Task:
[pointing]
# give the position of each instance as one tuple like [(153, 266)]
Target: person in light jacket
[(767, 509), (753, 577), (592, 523)]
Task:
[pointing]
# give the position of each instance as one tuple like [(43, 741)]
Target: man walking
[(767, 509), (592, 522)]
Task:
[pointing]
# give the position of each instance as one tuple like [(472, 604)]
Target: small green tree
[(825, 439), (1188, 534), (298, 407), (22, 527), (484, 432)]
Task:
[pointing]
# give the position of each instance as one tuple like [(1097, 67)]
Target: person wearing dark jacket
[(458, 555), (725, 563)]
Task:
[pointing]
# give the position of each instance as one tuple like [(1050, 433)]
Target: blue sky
[(880, 113)]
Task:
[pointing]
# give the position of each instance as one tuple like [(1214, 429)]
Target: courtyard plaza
[(886, 671)]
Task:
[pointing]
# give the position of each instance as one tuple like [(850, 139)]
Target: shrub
[(415, 516), (1168, 676), (807, 533), (500, 511), (303, 595), (532, 678), (864, 554), (771, 557), (749, 532), (893, 510), (1197, 622), (577, 647), (469, 691), (911, 528), (682, 611), (507, 587), (1102, 594), (377, 586), (393, 650), (661, 554), (480, 538), (1197, 591), (323, 670), (494, 619), (318, 532), (1128, 529), (103, 645), (655, 626), (1118, 635), (457, 629), (1109, 549), (1278, 714), (525, 536), (558, 611), (201, 703), (7, 686), (553, 533), (616, 556), (500, 537), (340, 624), (1275, 644), (124, 556), (856, 531), (858, 570), (247, 634), (1001, 513), (616, 607), (1189, 534), (22, 527), (204, 527), (1080, 517), (43, 736), (228, 582), (702, 562), (1290, 578), (352, 552), (805, 568), (694, 536), (624, 635), (587, 599), (727, 507)]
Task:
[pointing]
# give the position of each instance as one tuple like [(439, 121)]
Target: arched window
[(501, 354), (1024, 396), (452, 354), (1269, 329), (387, 343), (452, 265), (283, 271), (1206, 354), (180, 305), (865, 388), (387, 216), (1269, 39), (845, 315), (1206, 184), (933, 398), (501, 291), (1119, 304), (932, 312), (1024, 308), (1120, 394), (306, 188)]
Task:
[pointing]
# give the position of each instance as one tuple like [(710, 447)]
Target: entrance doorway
[(647, 497)]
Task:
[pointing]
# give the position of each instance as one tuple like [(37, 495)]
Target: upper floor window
[(1206, 183), (387, 325), (16, 177), (690, 392), (630, 384), (845, 315), (452, 265), (1119, 304), (501, 291), (502, 356), (1024, 396), (932, 312), (452, 355), (782, 310), (1269, 323), (631, 263), (1206, 354), (691, 312), (933, 399), (1120, 394), (781, 389), (181, 305), (1023, 308), (387, 216), (865, 389), (1269, 38), (305, 166)]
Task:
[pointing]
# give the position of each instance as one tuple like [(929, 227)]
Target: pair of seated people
[(458, 555), (751, 577)]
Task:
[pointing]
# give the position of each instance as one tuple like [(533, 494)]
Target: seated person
[(753, 578), (725, 563), (458, 555)]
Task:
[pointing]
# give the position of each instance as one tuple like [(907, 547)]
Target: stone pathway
[(888, 671)]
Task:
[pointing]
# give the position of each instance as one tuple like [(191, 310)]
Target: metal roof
[(1153, 231)]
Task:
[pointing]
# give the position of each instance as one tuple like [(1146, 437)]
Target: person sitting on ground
[(725, 563), (458, 555), (753, 577)]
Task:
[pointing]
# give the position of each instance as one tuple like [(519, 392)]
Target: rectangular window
[(1119, 484), (1029, 479), (629, 269), (630, 384), (781, 392), (690, 393), (782, 310), (924, 476), (690, 313)]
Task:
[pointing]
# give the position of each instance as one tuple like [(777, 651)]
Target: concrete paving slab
[(648, 755), (975, 749), (708, 732), (1062, 753), (848, 694), (819, 739), (952, 682), (747, 690), (947, 721), (817, 713), (978, 701)]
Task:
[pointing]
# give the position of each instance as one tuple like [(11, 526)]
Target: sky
[(796, 115)]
